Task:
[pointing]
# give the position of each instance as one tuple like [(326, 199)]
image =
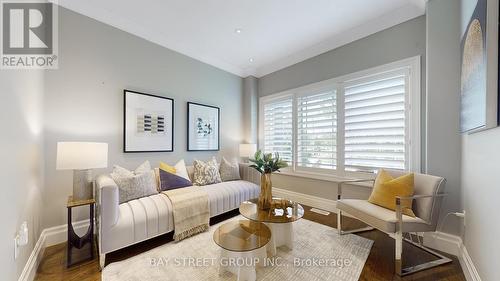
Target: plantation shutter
[(375, 124), (317, 130), (278, 128)]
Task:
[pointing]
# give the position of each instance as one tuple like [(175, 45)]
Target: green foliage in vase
[(267, 162)]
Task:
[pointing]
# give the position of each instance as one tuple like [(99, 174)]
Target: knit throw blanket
[(191, 211)]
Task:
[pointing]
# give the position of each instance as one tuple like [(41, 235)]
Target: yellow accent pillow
[(386, 188), (168, 168)]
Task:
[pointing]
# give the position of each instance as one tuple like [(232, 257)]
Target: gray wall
[(480, 189), (250, 109), (443, 103), (21, 112), (399, 42), (84, 99)]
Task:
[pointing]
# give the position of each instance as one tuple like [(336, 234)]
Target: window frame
[(411, 67)]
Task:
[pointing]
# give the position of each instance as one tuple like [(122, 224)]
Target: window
[(375, 123), (358, 123), (278, 128), (316, 130)]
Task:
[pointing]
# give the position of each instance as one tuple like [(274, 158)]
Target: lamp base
[(82, 185)]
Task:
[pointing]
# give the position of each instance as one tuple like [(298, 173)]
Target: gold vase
[(266, 194)]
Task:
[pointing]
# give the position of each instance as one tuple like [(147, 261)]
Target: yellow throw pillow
[(386, 188), (167, 168)]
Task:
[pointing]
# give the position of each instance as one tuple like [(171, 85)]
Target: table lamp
[(81, 157), (247, 150)]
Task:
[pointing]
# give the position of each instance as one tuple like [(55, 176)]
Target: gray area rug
[(319, 254)]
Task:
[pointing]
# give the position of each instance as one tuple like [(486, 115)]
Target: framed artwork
[(479, 69), (148, 124), (203, 127)]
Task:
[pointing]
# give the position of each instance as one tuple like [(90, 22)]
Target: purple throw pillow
[(170, 181)]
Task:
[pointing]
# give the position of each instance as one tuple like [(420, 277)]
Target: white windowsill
[(322, 177)]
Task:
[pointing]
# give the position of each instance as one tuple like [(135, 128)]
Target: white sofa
[(122, 225)]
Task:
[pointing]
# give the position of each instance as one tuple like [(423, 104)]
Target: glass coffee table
[(242, 240), (279, 218)]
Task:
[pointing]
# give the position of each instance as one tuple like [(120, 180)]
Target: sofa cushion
[(379, 217), (227, 196)]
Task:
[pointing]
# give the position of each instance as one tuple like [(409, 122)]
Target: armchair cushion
[(386, 188), (380, 217)]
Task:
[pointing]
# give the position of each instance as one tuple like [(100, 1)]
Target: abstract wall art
[(148, 123), (473, 72), (203, 127), (479, 87)]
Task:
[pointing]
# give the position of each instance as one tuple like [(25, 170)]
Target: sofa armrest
[(107, 201), (249, 174)]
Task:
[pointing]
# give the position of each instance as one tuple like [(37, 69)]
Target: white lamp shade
[(248, 149), (81, 155)]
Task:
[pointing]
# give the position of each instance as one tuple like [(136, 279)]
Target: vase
[(266, 194)]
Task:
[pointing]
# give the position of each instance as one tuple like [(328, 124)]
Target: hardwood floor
[(379, 265)]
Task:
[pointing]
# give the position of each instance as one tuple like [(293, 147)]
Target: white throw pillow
[(229, 171), (181, 170)]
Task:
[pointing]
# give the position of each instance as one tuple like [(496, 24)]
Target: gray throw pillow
[(134, 185), (143, 168), (229, 171), (206, 173)]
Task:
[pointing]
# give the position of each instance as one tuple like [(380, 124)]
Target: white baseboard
[(443, 242), (49, 237), (453, 245), (59, 234), (470, 271), (29, 270)]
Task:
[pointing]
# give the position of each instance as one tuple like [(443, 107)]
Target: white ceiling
[(274, 33)]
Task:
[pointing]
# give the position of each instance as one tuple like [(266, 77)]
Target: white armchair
[(426, 204)]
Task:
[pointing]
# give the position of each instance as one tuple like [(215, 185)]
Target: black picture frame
[(125, 150), (188, 133)]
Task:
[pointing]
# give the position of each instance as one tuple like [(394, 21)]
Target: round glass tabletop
[(281, 211), (242, 235)]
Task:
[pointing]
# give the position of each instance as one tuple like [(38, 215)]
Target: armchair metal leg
[(339, 222), (400, 271), (342, 232), (399, 251), (398, 266)]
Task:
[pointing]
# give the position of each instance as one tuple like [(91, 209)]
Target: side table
[(279, 218), (75, 241), (242, 240)]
